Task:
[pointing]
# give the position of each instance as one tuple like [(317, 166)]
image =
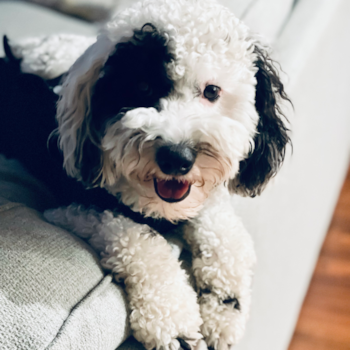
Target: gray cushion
[(238, 7), (19, 20), (53, 292)]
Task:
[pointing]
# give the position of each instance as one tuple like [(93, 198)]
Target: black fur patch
[(232, 301), (134, 76), (229, 301), (272, 134), (204, 291), (184, 345)]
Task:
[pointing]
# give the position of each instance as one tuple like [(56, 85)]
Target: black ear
[(271, 138)]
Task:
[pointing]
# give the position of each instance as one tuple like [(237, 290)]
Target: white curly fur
[(211, 46), (223, 257)]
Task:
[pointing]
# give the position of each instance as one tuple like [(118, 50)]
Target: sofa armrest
[(53, 293)]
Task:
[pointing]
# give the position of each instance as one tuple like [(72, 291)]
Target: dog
[(173, 109)]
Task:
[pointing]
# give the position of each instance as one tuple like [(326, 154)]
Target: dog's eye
[(211, 93)]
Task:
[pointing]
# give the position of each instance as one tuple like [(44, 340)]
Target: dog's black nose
[(175, 159)]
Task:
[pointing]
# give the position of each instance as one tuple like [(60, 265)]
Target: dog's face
[(174, 99)]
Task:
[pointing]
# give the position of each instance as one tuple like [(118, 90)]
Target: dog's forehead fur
[(200, 33)]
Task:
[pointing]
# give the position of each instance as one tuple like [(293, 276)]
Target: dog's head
[(173, 99)]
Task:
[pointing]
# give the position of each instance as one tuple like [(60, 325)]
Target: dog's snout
[(175, 159)]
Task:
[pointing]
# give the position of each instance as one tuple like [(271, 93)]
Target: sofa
[(53, 292)]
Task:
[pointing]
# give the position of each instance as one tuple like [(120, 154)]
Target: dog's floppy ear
[(271, 138), (80, 143)]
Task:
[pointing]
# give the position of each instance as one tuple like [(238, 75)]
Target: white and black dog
[(174, 107)]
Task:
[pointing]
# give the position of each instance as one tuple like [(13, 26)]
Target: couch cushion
[(238, 7), (19, 20), (268, 17), (53, 293)]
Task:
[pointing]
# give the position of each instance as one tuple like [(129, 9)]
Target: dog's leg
[(223, 257), (164, 310)]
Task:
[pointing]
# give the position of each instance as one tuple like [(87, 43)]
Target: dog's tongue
[(172, 189)]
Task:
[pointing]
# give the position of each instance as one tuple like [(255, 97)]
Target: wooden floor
[(324, 321)]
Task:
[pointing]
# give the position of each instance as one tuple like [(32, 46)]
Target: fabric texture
[(19, 20), (53, 292)]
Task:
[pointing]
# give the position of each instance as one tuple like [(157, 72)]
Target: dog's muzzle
[(176, 160)]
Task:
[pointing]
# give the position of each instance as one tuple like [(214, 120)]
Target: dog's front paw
[(223, 319), (164, 310), (165, 326)]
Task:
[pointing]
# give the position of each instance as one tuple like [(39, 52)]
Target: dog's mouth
[(172, 191)]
